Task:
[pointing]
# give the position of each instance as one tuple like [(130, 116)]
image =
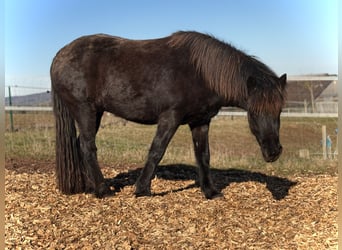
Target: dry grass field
[(232, 144), (289, 204)]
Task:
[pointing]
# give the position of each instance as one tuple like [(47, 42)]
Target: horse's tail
[(69, 174)]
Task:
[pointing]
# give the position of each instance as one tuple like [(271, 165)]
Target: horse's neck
[(238, 104)]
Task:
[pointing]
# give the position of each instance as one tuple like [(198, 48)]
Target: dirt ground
[(257, 211)]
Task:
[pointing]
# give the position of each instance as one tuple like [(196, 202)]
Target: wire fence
[(34, 112), (307, 94), (323, 105)]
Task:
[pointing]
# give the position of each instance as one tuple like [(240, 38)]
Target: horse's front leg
[(202, 154), (167, 126)]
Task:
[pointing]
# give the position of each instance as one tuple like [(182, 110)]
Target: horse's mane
[(226, 70)]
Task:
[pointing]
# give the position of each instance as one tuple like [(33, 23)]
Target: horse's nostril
[(272, 153)]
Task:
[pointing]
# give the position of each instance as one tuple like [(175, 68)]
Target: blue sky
[(291, 36)]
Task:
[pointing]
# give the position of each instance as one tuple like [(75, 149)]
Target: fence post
[(10, 104), (324, 141), (305, 106)]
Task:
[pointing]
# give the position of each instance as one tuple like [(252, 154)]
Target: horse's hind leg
[(88, 124), (202, 154)]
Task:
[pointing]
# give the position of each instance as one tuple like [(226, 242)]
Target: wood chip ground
[(256, 212)]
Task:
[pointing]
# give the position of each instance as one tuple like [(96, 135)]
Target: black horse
[(184, 78)]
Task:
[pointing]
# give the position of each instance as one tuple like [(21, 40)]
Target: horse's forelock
[(269, 100)]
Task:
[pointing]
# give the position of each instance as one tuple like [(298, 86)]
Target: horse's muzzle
[(272, 154)]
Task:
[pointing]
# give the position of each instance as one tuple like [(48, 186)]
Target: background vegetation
[(232, 145)]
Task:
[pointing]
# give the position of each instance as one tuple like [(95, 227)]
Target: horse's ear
[(282, 81)]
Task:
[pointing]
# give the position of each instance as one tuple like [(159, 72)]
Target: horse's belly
[(134, 110)]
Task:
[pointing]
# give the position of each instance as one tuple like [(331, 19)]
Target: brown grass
[(232, 145)]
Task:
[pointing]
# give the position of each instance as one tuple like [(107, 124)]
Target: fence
[(329, 104), (316, 109), (324, 111), (223, 112), (328, 107)]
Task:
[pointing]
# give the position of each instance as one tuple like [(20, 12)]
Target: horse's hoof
[(103, 190), (142, 192), (212, 194), (216, 196), (142, 189), (89, 190)]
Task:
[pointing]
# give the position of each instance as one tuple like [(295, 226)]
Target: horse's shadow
[(278, 186)]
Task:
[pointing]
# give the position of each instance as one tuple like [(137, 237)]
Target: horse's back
[(130, 78), (134, 79), (90, 62)]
